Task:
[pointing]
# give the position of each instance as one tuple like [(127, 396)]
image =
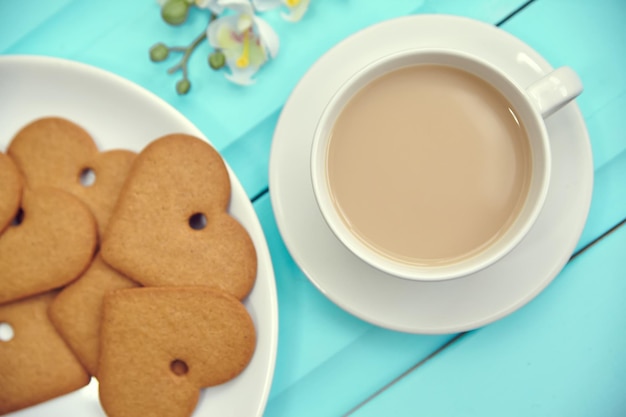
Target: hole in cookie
[(179, 367), (6, 332), (19, 218), (87, 177), (197, 221)]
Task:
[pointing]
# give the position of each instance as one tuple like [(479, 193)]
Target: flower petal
[(265, 5), (268, 36), (241, 76), (244, 22), (296, 13), (215, 31), (239, 6), (212, 5), (238, 79)]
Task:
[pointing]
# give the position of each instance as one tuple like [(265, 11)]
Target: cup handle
[(555, 90)]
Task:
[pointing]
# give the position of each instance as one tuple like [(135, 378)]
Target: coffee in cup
[(433, 164)]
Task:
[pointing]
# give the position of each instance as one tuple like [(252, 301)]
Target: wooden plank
[(608, 203), (323, 349), (115, 35), (118, 40), (586, 36), (254, 173), (343, 362), (589, 37), (18, 18), (488, 11), (560, 355), (603, 103), (249, 155)]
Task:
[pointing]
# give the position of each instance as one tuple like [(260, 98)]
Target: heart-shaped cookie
[(10, 191), (57, 152), (52, 246), (77, 311), (171, 226), (160, 346), (35, 363)]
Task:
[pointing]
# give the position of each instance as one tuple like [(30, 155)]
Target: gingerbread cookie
[(56, 152), (101, 181), (35, 363), (10, 191), (171, 225), (160, 346), (77, 311), (52, 246)]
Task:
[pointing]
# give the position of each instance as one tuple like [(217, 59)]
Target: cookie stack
[(119, 266)]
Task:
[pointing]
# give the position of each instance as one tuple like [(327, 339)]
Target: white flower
[(246, 40), (296, 8), (213, 5)]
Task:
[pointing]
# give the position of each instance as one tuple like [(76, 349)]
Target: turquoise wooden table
[(561, 354)]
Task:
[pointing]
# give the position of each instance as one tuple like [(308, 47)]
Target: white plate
[(423, 307), (120, 114)]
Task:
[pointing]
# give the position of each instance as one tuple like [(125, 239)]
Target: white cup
[(532, 105)]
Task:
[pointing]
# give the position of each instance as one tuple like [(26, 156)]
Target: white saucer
[(422, 307)]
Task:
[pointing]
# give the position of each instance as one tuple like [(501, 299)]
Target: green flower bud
[(159, 52), (175, 12), (217, 60), (183, 86)]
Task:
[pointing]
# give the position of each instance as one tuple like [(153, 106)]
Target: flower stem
[(182, 65), (188, 50)]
